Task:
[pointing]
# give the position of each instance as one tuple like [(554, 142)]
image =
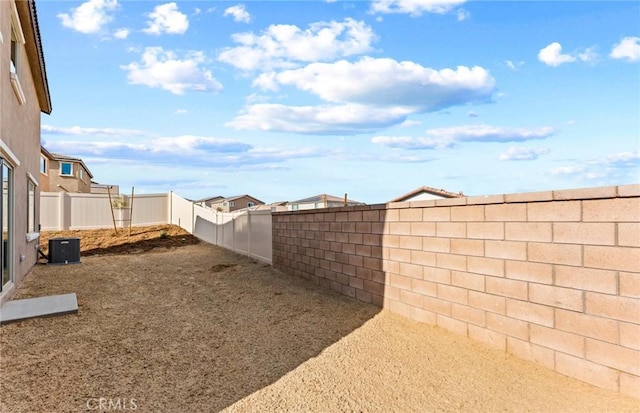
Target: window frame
[(32, 229), (44, 162), (17, 39), (66, 163)]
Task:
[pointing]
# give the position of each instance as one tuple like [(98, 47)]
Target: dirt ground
[(108, 241), (197, 328)]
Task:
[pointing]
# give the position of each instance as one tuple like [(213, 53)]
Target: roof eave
[(33, 43)]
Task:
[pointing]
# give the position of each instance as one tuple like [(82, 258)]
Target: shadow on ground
[(191, 329)]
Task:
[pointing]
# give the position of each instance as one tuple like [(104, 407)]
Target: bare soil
[(190, 327), (123, 240)]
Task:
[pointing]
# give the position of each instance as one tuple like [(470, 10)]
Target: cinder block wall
[(552, 277)]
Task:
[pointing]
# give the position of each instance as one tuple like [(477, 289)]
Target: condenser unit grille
[(64, 250)]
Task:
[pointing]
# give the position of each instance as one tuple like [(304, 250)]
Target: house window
[(31, 207), (17, 39), (81, 174), (232, 204), (6, 218), (43, 165), (66, 168), (14, 52), (250, 204), (294, 207)]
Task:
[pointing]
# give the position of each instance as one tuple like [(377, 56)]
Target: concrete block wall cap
[(529, 197), (423, 204), (585, 193), (629, 190), (486, 199), (451, 201), (399, 205)]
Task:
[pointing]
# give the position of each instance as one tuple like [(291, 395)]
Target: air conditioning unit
[(64, 251)]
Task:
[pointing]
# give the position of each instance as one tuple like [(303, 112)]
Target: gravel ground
[(197, 328)]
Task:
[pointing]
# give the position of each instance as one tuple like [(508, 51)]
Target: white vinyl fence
[(245, 232)]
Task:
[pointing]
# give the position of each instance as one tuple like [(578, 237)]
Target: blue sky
[(288, 99)]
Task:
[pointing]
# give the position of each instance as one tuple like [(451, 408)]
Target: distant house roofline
[(322, 198), (233, 198), (33, 44), (64, 158), (211, 198), (428, 190)]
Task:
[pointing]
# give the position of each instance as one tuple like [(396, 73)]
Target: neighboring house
[(235, 202), (424, 193), (273, 207), (24, 95), (207, 202), (63, 173), (97, 188), (321, 201)]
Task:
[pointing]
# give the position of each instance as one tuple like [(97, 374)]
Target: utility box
[(64, 251)]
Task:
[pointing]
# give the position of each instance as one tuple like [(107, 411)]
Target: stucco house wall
[(235, 203), (78, 181), (20, 130)]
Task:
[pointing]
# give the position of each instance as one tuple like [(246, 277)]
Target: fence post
[(193, 217), (170, 208), (249, 232), (65, 212)]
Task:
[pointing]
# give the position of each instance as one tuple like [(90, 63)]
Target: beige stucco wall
[(20, 131), (44, 180), (551, 277), (69, 183), (238, 203)]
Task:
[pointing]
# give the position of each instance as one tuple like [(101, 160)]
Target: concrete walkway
[(38, 307)]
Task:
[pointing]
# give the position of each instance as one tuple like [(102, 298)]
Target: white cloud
[(411, 143), (568, 170), (78, 130), (552, 55), (338, 119), (180, 112), (163, 69), (622, 159), (90, 17), (513, 65), (588, 55), (616, 168), (387, 82), (628, 49), (410, 123), (440, 138), (285, 46), (462, 15), (488, 133), (189, 150), (520, 153), (166, 18), (414, 7), (239, 13), (612, 169), (122, 33)]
